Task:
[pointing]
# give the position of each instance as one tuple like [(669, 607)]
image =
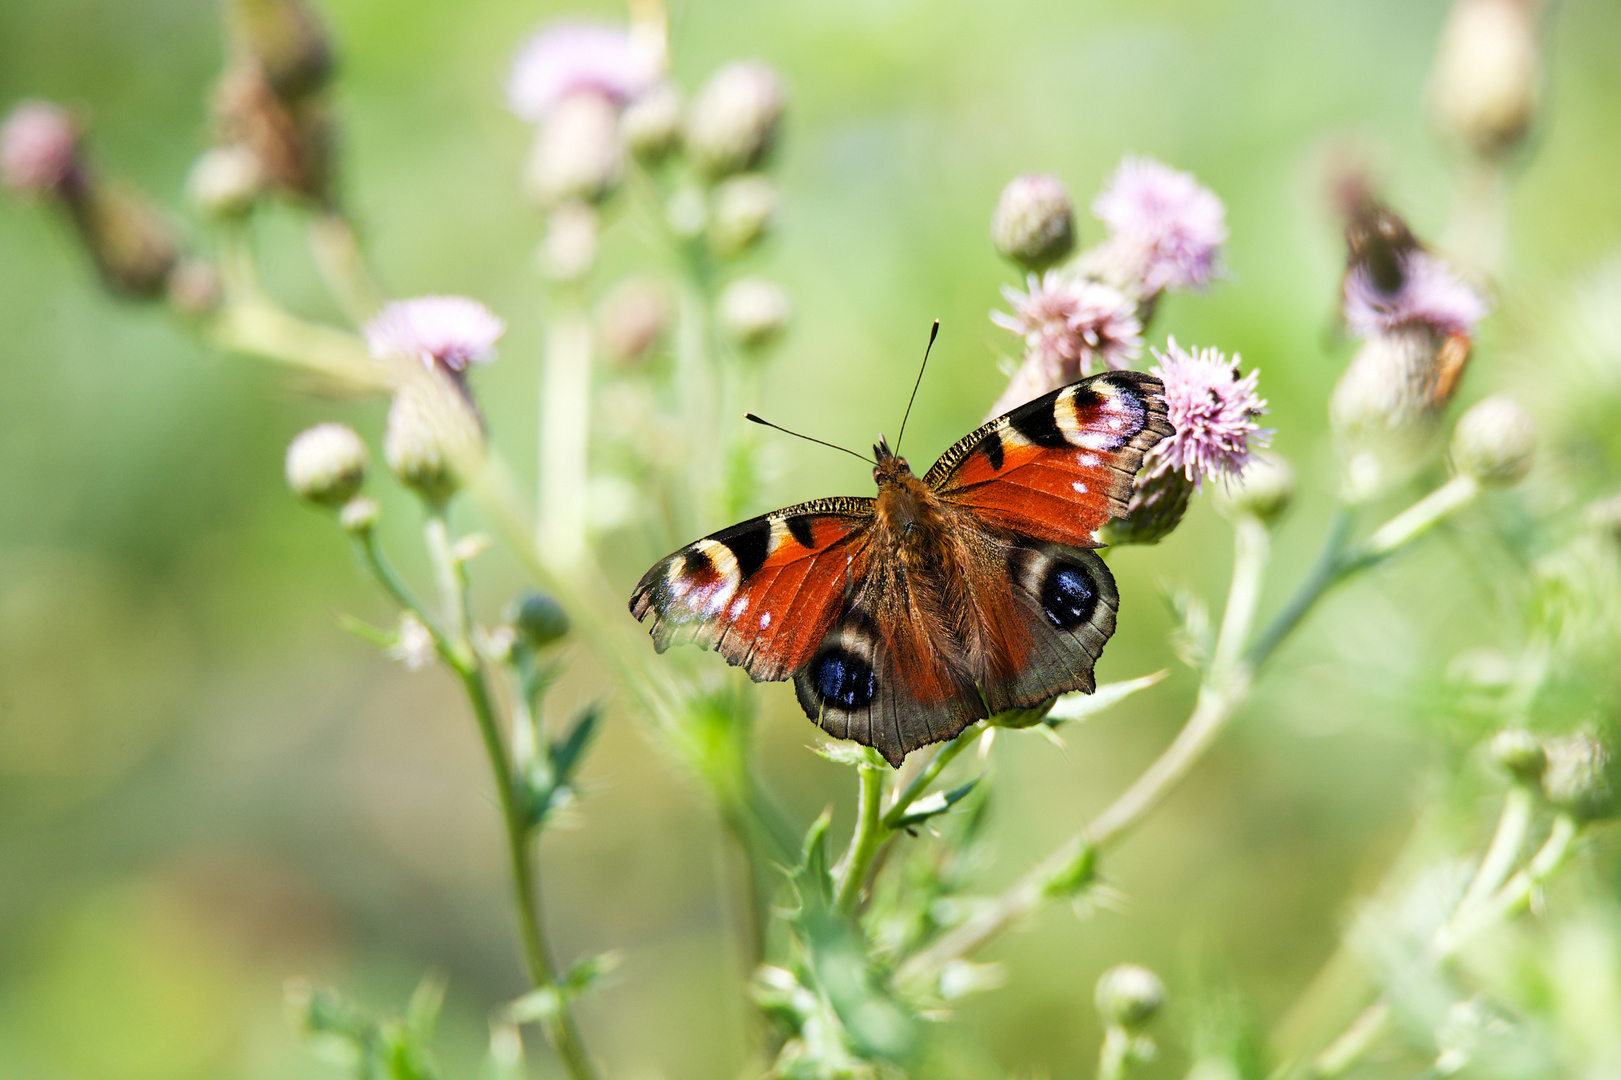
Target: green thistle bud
[(1129, 996), (225, 182), (754, 312), (1158, 504), (1034, 221), (432, 434), (1264, 490), (1577, 777), (732, 125), (744, 208), (284, 39), (326, 465), (1520, 754), (359, 516), (577, 152), (1495, 441), (539, 618), (651, 124), (1484, 86)]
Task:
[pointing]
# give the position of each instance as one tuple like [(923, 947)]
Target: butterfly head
[(889, 467)]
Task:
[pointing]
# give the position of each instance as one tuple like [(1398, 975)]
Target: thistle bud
[(194, 287), (1520, 754), (1383, 408), (1483, 88), (540, 619), (225, 181), (291, 140), (1577, 776), (1034, 221), (39, 148), (733, 122), (754, 312), (432, 434), (1495, 441), (1604, 515), (1158, 503), (744, 208), (284, 39), (359, 516), (1129, 996), (1263, 490), (577, 152), (326, 465), (651, 124), (129, 240), (632, 319)]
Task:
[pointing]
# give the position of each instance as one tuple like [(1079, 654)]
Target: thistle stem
[(920, 783), (459, 653), (565, 426), (869, 835)]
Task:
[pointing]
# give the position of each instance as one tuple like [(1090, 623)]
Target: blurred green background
[(206, 787)]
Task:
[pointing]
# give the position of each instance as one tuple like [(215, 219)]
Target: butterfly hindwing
[(762, 592), (884, 673), (1067, 603), (1058, 467)]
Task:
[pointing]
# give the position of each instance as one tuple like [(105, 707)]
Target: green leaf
[(934, 804), (365, 631), (422, 1011), (568, 753), (815, 874), (585, 974), (846, 753), (538, 1006), (1080, 706)]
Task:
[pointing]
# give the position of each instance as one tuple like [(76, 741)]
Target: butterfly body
[(904, 618)]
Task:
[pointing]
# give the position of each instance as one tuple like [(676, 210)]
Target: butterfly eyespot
[(844, 680), (1068, 596)]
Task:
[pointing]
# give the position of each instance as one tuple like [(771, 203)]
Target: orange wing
[(763, 592), (1058, 467)]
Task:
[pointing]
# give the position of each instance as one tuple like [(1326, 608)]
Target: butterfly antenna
[(807, 438), (934, 332)]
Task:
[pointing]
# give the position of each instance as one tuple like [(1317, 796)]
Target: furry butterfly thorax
[(947, 598)]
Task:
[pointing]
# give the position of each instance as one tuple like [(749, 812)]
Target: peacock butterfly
[(905, 618)]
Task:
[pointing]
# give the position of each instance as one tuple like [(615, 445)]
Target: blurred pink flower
[(38, 145), (1431, 294), (568, 57), (1213, 409), (451, 331), (1163, 224)]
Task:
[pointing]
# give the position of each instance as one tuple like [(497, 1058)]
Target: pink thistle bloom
[(1431, 294), (1213, 409), (38, 147), (570, 57), (1072, 322), (444, 331), (1162, 221)]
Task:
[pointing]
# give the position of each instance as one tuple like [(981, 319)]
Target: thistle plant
[(858, 951)]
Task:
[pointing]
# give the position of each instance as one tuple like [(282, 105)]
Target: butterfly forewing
[(1058, 467), (761, 593)]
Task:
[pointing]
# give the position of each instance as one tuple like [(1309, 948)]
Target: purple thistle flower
[(1431, 294), (38, 147), (569, 57), (1073, 321), (447, 331), (1067, 325), (1163, 224), (1213, 409)]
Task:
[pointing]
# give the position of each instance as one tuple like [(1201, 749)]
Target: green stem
[(920, 783), (565, 432), (459, 653), (1508, 901), (867, 838), (1325, 572), (1504, 849)]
